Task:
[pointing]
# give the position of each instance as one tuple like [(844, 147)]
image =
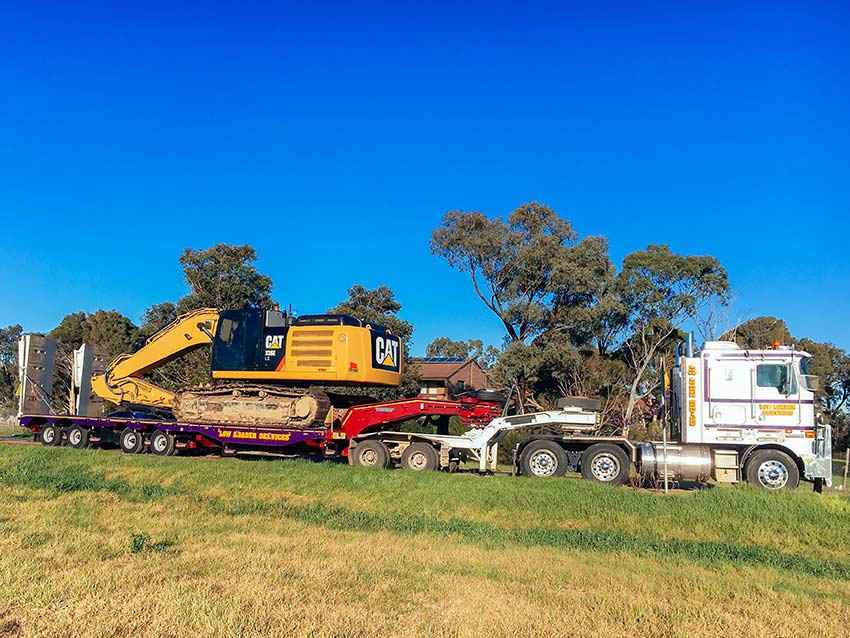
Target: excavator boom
[(122, 382)]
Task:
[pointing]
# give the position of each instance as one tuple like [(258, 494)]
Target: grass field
[(97, 543)]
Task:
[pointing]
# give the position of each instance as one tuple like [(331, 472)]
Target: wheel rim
[(48, 435), (159, 443), (130, 441), (418, 461), (605, 467), (773, 475), (543, 463), (369, 457), (74, 437)]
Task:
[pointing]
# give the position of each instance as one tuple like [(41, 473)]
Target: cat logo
[(274, 342), (385, 352)]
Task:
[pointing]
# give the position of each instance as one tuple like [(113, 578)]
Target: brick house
[(449, 377)]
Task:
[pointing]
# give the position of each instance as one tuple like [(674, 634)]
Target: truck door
[(729, 392), (776, 394)]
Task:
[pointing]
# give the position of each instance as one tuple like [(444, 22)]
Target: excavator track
[(265, 405)]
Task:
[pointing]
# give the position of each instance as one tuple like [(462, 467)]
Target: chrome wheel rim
[(48, 435), (773, 475), (74, 437), (605, 467), (159, 443), (543, 463), (368, 457), (130, 441), (417, 461)]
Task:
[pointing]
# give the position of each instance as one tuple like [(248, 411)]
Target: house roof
[(431, 370)]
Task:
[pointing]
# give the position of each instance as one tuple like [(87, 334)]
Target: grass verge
[(98, 544)]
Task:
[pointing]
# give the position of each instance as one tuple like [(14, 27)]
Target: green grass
[(12, 429), (360, 549)]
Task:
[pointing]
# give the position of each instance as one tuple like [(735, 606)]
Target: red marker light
[(352, 367)]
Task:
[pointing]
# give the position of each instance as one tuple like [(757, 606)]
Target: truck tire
[(51, 435), (370, 453), (78, 437), (605, 463), (772, 470), (543, 458), (131, 441), (420, 457), (162, 443)]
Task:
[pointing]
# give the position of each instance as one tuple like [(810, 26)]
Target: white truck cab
[(752, 413)]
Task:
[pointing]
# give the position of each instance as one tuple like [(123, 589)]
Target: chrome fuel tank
[(684, 462)]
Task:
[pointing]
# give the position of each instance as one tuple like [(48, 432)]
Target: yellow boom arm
[(122, 380)]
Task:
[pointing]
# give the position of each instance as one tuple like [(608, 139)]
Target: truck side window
[(775, 375)]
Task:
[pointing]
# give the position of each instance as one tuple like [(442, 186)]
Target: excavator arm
[(122, 382)]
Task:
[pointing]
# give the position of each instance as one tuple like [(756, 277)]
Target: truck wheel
[(772, 470), (51, 435), (605, 463), (421, 457), (543, 458), (162, 443), (370, 453), (78, 437), (131, 441)]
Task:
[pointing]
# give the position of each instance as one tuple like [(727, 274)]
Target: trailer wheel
[(605, 463), (420, 457), (51, 435), (78, 437), (162, 443), (370, 453), (543, 458), (772, 470), (131, 441)]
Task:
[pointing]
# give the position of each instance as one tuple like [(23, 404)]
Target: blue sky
[(333, 137)]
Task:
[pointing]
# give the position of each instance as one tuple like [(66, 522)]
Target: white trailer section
[(480, 443)]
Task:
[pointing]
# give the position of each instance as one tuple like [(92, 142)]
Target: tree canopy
[(379, 305), (529, 270), (559, 297), (223, 276)]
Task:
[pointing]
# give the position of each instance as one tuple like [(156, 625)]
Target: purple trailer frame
[(187, 435)]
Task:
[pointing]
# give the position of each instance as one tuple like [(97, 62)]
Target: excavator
[(265, 365)]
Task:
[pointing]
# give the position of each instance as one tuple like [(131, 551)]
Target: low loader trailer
[(136, 432)]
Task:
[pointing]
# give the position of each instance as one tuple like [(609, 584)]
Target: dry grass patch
[(97, 544)]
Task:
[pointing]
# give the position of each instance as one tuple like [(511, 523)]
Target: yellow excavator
[(263, 365)]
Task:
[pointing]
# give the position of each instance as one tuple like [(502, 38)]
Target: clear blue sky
[(333, 137)]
